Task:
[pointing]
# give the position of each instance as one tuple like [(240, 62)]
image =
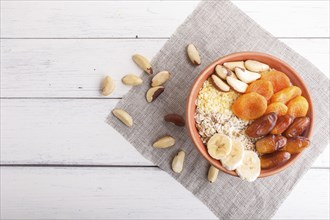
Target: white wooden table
[(61, 160)]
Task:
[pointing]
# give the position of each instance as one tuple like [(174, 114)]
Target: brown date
[(283, 122), (274, 159), (298, 127), (270, 144), (262, 125), (296, 145)]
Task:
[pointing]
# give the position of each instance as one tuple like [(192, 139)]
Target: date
[(270, 144), (296, 145), (298, 127), (262, 125), (274, 159), (283, 122)]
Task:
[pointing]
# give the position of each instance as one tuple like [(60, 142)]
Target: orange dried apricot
[(298, 107), (262, 87), (286, 94), (278, 107), (250, 106), (278, 79)]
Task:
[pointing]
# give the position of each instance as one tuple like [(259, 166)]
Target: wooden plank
[(53, 131), (74, 68), (100, 19), (130, 193)]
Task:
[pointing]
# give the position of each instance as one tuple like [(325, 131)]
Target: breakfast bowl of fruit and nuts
[(250, 115)]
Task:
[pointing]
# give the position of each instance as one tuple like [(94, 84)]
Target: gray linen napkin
[(218, 28)]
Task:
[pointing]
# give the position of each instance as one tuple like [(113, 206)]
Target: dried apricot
[(278, 107), (286, 94), (249, 106), (278, 79), (262, 87), (298, 107)]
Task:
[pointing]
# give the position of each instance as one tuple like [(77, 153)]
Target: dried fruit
[(255, 66), (298, 127), (262, 126), (296, 145), (219, 146), (270, 144), (160, 78), (224, 72), (154, 92), (286, 94), (164, 142), (123, 116), (108, 86), (177, 163), (193, 54), (275, 159), (232, 65), (178, 120), (212, 174), (246, 75), (262, 87), (132, 80), (278, 107), (236, 84), (278, 79), (282, 123), (249, 106), (219, 84), (298, 107)]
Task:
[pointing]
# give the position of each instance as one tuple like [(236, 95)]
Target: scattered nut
[(123, 116), (237, 85), (164, 142), (108, 86), (175, 119), (154, 92), (223, 72), (177, 163), (193, 54), (143, 63), (232, 65), (219, 84), (132, 80), (246, 75), (213, 174), (160, 78), (255, 66)]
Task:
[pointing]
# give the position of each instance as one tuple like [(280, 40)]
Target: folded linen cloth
[(212, 28)]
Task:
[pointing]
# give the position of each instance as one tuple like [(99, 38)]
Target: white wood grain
[(130, 193), (94, 19), (55, 131), (75, 67)]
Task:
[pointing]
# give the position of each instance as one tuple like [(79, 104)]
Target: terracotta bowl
[(273, 62)]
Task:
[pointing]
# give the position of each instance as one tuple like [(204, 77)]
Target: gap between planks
[(128, 38), (104, 166)]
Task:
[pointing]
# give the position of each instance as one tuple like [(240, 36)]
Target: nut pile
[(155, 90)]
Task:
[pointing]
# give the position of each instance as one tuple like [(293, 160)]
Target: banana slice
[(219, 146), (235, 158), (250, 167)]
